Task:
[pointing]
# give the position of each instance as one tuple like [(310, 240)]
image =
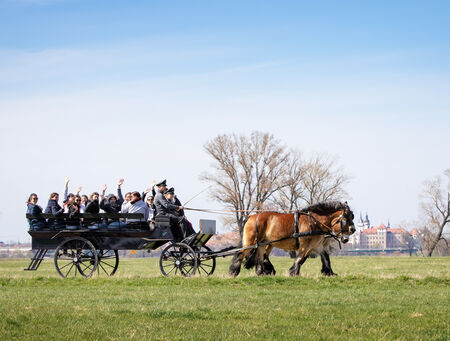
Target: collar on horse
[(328, 232)]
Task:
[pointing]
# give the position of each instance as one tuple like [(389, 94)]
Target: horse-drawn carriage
[(87, 251)]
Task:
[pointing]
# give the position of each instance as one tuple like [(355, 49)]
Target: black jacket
[(54, 208), (36, 211), (110, 207), (92, 207), (74, 215), (178, 203)]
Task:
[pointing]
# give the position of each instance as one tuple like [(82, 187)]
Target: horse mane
[(324, 207)]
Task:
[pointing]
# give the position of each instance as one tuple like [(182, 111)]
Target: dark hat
[(162, 183), (171, 190)]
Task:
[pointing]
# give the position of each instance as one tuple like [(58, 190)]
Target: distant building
[(379, 237)]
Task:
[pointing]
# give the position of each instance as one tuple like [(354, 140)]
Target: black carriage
[(85, 251)]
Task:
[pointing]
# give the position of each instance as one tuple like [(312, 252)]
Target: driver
[(164, 208)]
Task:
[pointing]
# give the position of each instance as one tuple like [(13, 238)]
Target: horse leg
[(268, 267), (248, 238), (238, 258), (295, 268), (235, 266), (260, 261), (326, 265)]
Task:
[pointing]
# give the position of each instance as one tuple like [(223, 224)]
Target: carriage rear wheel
[(178, 258), (76, 256), (108, 262), (205, 265)]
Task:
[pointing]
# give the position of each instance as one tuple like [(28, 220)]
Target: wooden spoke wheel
[(108, 262), (205, 265), (76, 256), (178, 259)]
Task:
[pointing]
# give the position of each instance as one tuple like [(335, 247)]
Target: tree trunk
[(435, 240)]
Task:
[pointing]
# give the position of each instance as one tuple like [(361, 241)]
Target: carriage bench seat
[(100, 216), (162, 221)]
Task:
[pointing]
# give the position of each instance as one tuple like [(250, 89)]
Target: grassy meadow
[(401, 298)]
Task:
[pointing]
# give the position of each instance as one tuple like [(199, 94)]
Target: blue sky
[(106, 89)]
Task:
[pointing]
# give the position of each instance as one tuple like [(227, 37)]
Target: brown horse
[(317, 225)]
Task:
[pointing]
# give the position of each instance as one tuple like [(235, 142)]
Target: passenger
[(66, 191), (73, 222), (149, 200), (112, 204), (54, 208), (93, 207), (164, 208), (151, 211), (136, 205), (154, 190), (79, 200), (84, 202), (126, 202), (34, 209)]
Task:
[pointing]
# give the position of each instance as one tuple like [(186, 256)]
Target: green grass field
[(403, 298)]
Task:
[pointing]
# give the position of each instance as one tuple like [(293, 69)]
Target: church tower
[(367, 222), (360, 225)]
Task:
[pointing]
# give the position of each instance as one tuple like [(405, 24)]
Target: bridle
[(329, 232)]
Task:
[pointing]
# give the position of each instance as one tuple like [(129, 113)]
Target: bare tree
[(248, 170), (287, 197), (436, 206), (309, 182)]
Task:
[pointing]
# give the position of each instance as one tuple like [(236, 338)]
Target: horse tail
[(250, 259)]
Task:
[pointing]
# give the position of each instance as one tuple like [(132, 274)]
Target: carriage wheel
[(178, 258), (108, 262), (205, 266), (76, 255)]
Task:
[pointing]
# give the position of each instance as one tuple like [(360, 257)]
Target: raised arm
[(119, 191), (153, 188), (104, 188), (66, 188), (145, 193)]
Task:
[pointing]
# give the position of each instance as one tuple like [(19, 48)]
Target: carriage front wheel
[(76, 256), (178, 258), (205, 263)]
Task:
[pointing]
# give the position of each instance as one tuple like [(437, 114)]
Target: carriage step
[(37, 260)]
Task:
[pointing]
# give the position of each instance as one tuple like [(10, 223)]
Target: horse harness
[(297, 235)]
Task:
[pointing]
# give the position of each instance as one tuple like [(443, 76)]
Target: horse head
[(343, 225)]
